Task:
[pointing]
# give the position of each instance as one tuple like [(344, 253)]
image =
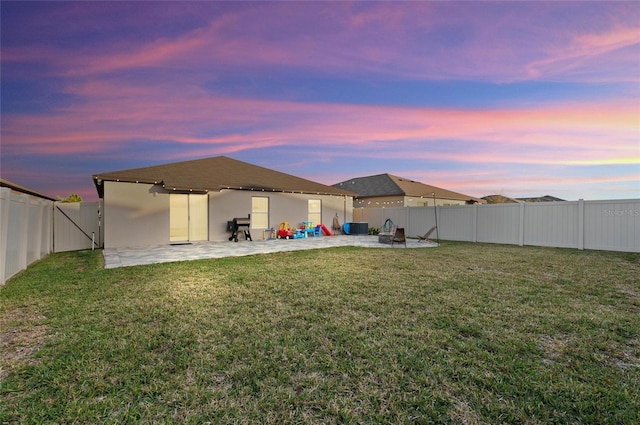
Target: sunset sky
[(514, 98)]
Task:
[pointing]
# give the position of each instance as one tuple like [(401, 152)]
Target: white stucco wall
[(293, 208), (137, 214)]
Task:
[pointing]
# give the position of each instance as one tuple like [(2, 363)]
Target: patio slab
[(135, 256)]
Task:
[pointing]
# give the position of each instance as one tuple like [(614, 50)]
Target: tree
[(74, 197)]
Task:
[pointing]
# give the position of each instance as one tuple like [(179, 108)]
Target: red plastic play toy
[(326, 230), (285, 231)]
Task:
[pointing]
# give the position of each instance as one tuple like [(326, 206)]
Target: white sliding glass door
[(188, 217), (198, 217)]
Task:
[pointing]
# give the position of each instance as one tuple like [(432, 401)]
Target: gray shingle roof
[(545, 198), (378, 185), (214, 174), (390, 185)]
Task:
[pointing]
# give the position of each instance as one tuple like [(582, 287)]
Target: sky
[(520, 99)]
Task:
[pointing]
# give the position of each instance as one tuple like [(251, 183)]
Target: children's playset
[(306, 229), (285, 231)]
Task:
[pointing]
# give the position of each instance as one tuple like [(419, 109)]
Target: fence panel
[(373, 216), (25, 231), (498, 223), (551, 224), (420, 220), (377, 216), (457, 223), (606, 225), (16, 244), (34, 235), (75, 223), (46, 232), (612, 225), (30, 226)]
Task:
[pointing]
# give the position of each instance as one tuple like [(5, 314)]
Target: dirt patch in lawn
[(21, 336)]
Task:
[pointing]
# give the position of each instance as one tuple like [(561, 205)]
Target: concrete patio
[(122, 257)]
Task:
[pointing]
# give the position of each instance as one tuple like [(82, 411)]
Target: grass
[(466, 333)]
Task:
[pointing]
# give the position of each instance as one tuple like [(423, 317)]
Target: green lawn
[(464, 333)]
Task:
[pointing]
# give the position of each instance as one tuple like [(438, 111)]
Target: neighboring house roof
[(390, 185), (215, 174), (499, 199), (545, 198), (18, 188)]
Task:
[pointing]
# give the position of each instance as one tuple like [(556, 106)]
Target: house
[(545, 198), (501, 199), (386, 190), (194, 200)]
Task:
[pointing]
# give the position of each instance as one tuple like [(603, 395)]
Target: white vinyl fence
[(26, 230), (76, 226), (603, 225), (32, 227)]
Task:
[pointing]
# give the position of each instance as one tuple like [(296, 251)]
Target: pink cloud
[(527, 182), (150, 89), (606, 52), (112, 114), (417, 40)]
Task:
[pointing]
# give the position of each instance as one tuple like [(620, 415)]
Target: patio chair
[(425, 237), (399, 236)]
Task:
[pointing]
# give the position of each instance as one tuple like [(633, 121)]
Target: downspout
[(344, 209), (99, 223), (53, 227)]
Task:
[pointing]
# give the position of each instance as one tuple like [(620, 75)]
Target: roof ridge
[(214, 174)]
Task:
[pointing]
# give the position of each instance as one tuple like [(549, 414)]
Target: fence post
[(38, 205), (474, 225), (23, 234), (521, 229), (580, 223), (5, 200)]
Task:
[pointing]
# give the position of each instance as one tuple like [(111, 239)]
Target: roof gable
[(214, 174), (390, 185), (378, 185)]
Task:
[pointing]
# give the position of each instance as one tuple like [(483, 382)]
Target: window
[(259, 212), (315, 211)]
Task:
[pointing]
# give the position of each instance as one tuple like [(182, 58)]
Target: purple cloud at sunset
[(517, 98)]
